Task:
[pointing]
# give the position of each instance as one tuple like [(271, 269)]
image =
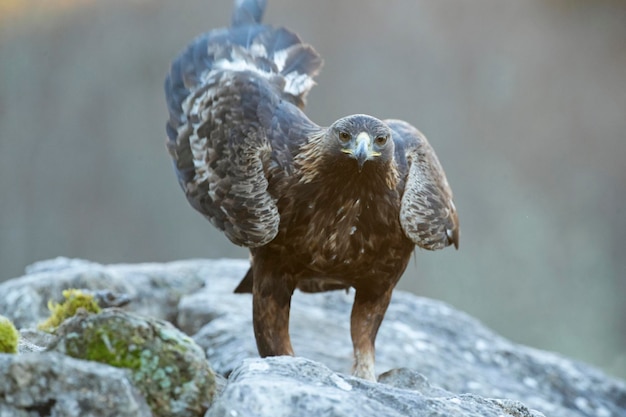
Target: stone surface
[(34, 340), (434, 359), (51, 384), (451, 349), (154, 289), (286, 386), (164, 364)]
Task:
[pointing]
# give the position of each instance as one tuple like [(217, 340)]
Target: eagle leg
[(271, 302), (367, 314)]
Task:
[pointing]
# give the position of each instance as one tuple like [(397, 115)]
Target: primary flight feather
[(320, 208)]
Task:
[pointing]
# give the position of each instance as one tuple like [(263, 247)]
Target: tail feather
[(277, 39), (302, 59), (267, 51), (248, 12)]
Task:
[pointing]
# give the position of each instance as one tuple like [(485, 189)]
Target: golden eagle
[(320, 208)]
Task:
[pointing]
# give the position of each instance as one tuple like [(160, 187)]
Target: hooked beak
[(362, 150)]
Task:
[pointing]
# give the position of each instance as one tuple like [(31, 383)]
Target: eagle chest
[(340, 231)]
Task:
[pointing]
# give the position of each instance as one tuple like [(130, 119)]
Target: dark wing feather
[(427, 213), (233, 126)]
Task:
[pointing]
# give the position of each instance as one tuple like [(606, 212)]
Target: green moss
[(9, 336), (104, 346), (162, 361), (74, 300)]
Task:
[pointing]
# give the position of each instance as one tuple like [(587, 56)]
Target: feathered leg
[(271, 301), (367, 314)]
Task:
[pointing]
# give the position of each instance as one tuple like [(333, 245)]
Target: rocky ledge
[(173, 340)]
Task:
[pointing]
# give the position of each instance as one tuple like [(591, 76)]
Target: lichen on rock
[(9, 336), (164, 364)]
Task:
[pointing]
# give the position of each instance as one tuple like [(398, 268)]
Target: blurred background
[(524, 102)]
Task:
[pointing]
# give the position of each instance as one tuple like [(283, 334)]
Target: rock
[(286, 386), (35, 340), (433, 358), (51, 384), (452, 350), (409, 379), (164, 363), (154, 289)]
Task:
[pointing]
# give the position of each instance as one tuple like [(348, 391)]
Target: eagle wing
[(234, 99), (427, 213)]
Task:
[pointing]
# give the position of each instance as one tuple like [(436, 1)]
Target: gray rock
[(154, 290), (33, 340), (410, 379), (51, 384), (164, 364), (286, 386), (433, 357), (451, 349)]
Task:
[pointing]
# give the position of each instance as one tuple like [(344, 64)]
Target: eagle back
[(234, 98)]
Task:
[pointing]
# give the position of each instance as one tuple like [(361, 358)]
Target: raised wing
[(233, 98), (427, 213)]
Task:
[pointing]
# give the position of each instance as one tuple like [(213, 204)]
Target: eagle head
[(363, 138)]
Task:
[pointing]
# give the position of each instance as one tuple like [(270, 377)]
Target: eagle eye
[(344, 136), (380, 140)]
